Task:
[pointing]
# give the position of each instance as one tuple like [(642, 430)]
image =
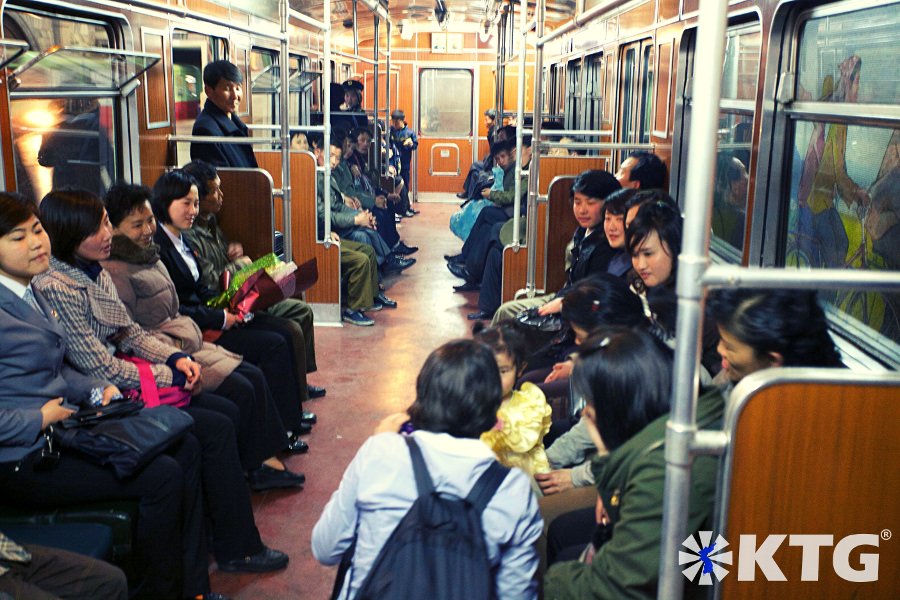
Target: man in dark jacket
[(223, 84)]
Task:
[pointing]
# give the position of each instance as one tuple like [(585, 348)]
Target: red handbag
[(151, 394)]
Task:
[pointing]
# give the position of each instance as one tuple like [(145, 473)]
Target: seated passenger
[(215, 255), (43, 573), (365, 172), (145, 288), (642, 171), (481, 169), (40, 389), (351, 221), (591, 252), (457, 396), (524, 415), (175, 204)]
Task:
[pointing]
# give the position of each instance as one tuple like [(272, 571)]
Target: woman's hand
[(53, 412), (560, 370), (552, 307), (391, 423), (190, 369), (235, 251), (109, 392), (555, 482), (232, 319)]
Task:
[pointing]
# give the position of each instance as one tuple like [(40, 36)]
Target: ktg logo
[(707, 557)]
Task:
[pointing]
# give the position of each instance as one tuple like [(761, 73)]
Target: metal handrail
[(213, 139)]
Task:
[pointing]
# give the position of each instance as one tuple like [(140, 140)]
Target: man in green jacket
[(630, 480)]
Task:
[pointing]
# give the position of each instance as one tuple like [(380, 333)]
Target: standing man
[(223, 85), (406, 141)]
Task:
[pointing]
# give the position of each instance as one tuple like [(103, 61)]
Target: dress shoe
[(480, 316), (459, 270), (264, 561), (467, 287), (411, 212), (296, 445), (454, 258), (309, 417), (462, 195), (384, 301), (267, 478), (396, 264), (315, 391), (303, 428), (402, 249)]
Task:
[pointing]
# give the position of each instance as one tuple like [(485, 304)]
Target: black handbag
[(123, 435), (532, 319)]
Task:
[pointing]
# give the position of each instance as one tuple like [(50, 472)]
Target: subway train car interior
[(296, 229)]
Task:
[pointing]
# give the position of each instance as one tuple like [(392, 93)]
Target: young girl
[(524, 415)]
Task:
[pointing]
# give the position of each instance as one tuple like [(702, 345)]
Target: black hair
[(650, 171), (595, 183), (508, 130), (203, 173), (507, 145), (359, 131), (15, 209), (506, 337), (627, 376), (458, 390), (70, 216), (616, 203), (789, 322), (218, 70), (171, 186), (124, 198), (315, 139), (603, 300), (491, 113), (647, 197), (337, 138), (666, 221)]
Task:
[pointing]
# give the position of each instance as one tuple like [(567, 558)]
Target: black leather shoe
[(303, 429), (262, 562), (479, 316), (315, 391), (462, 195), (385, 301), (453, 258), (309, 417), (397, 264), (296, 445), (467, 287), (402, 249), (459, 270), (267, 478)]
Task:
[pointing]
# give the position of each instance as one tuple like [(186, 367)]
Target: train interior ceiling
[(807, 164)]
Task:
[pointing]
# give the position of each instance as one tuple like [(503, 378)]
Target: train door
[(573, 97), (636, 92), (190, 52), (593, 92), (444, 123)]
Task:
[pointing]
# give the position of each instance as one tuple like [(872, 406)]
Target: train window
[(156, 92), (594, 92), (61, 141), (637, 82), (265, 83), (190, 53), (739, 82), (844, 179), (445, 102), (573, 97)]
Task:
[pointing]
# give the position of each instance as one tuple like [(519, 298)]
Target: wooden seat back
[(813, 451), (247, 215)]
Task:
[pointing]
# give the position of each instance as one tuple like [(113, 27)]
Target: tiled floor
[(369, 372)]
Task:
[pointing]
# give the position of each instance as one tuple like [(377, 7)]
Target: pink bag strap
[(149, 391)]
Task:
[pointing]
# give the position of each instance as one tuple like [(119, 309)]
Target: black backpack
[(437, 550)]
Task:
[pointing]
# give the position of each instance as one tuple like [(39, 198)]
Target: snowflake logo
[(704, 557)]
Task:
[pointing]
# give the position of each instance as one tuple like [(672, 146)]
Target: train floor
[(369, 372)]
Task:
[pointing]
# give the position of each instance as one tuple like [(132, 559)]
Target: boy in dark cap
[(406, 141)]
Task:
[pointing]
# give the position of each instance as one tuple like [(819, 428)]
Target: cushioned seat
[(89, 539)]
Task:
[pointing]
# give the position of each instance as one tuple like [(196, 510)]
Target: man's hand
[(355, 203), (380, 201), (555, 482), (232, 319), (354, 169), (552, 307), (235, 251), (361, 219), (108, 393), (335, 238), (53, 412), (408, 142)]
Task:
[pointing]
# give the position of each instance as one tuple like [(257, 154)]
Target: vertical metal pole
[(326, 120), (387, 91), (375, 136), (501, 63), (285, 107), (520, 114), (355, 29), (693, 260), (533, 188)]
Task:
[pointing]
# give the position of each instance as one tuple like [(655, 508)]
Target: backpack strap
[(486, 486), (424, 483)]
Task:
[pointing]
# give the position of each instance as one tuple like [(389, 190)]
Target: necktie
[(12, 552), (32, 301)]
